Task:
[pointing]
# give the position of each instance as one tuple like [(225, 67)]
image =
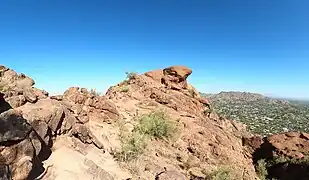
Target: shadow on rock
[(5, 173), (4, 106), (285, 156), (43, 155), (289, 171)]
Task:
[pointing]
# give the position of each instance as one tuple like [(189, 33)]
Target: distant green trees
[(262, 115)]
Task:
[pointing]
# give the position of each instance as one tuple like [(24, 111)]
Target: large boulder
[(174, 77), (19, 144), (49, 113), (156, 75), (13, 127), (182, 72)]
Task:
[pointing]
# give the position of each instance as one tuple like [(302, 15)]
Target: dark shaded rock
[(81, 132), (5, 173), (4, 106), (13, 127), (252, 143)]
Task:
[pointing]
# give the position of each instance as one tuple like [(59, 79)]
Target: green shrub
[(220, 174), (94, 92), (131, 75), (263, 165), (261, 169), (156, 124), (132, 146), (124, 89), (279, 160)]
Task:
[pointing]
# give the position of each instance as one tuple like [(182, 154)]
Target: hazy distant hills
[(262, 114)]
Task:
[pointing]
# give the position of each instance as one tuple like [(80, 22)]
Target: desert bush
[(221, 173), (262, 166), (156, 124), (131, 75), (132, 146), (261, 169), (124, 89), (94, 92), (280, 160)]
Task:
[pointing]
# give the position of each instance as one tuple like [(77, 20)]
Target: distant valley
[(262, 115)]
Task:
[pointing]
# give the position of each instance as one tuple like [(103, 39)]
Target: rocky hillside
[(150, 126), (261, 114)]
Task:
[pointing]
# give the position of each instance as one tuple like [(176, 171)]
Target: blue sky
[(260, 46)]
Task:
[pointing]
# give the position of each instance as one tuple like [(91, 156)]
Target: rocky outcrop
[(88, 106), (206, 140), (18, 89), (19, 144), (290, 144), (286, 154), (174, 77), (75, 135), (31, 122)]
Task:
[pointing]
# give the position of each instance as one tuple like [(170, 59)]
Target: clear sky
[(260, 46)]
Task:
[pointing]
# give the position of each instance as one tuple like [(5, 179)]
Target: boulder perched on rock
[(203, 140), (174, 77), (182, 72)]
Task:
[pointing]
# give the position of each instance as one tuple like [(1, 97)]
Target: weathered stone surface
[(196, 173), (97, 172), (201, 140), (30, 95), (13, 127), (89, 102), (5, 173), (83, 133), (174, 77), (178, 71), (17, 88), (49, 111), (252, 143), (171, 175), (19, 157), (156, 75), (42, 130), (290, 144), (16, 101)]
